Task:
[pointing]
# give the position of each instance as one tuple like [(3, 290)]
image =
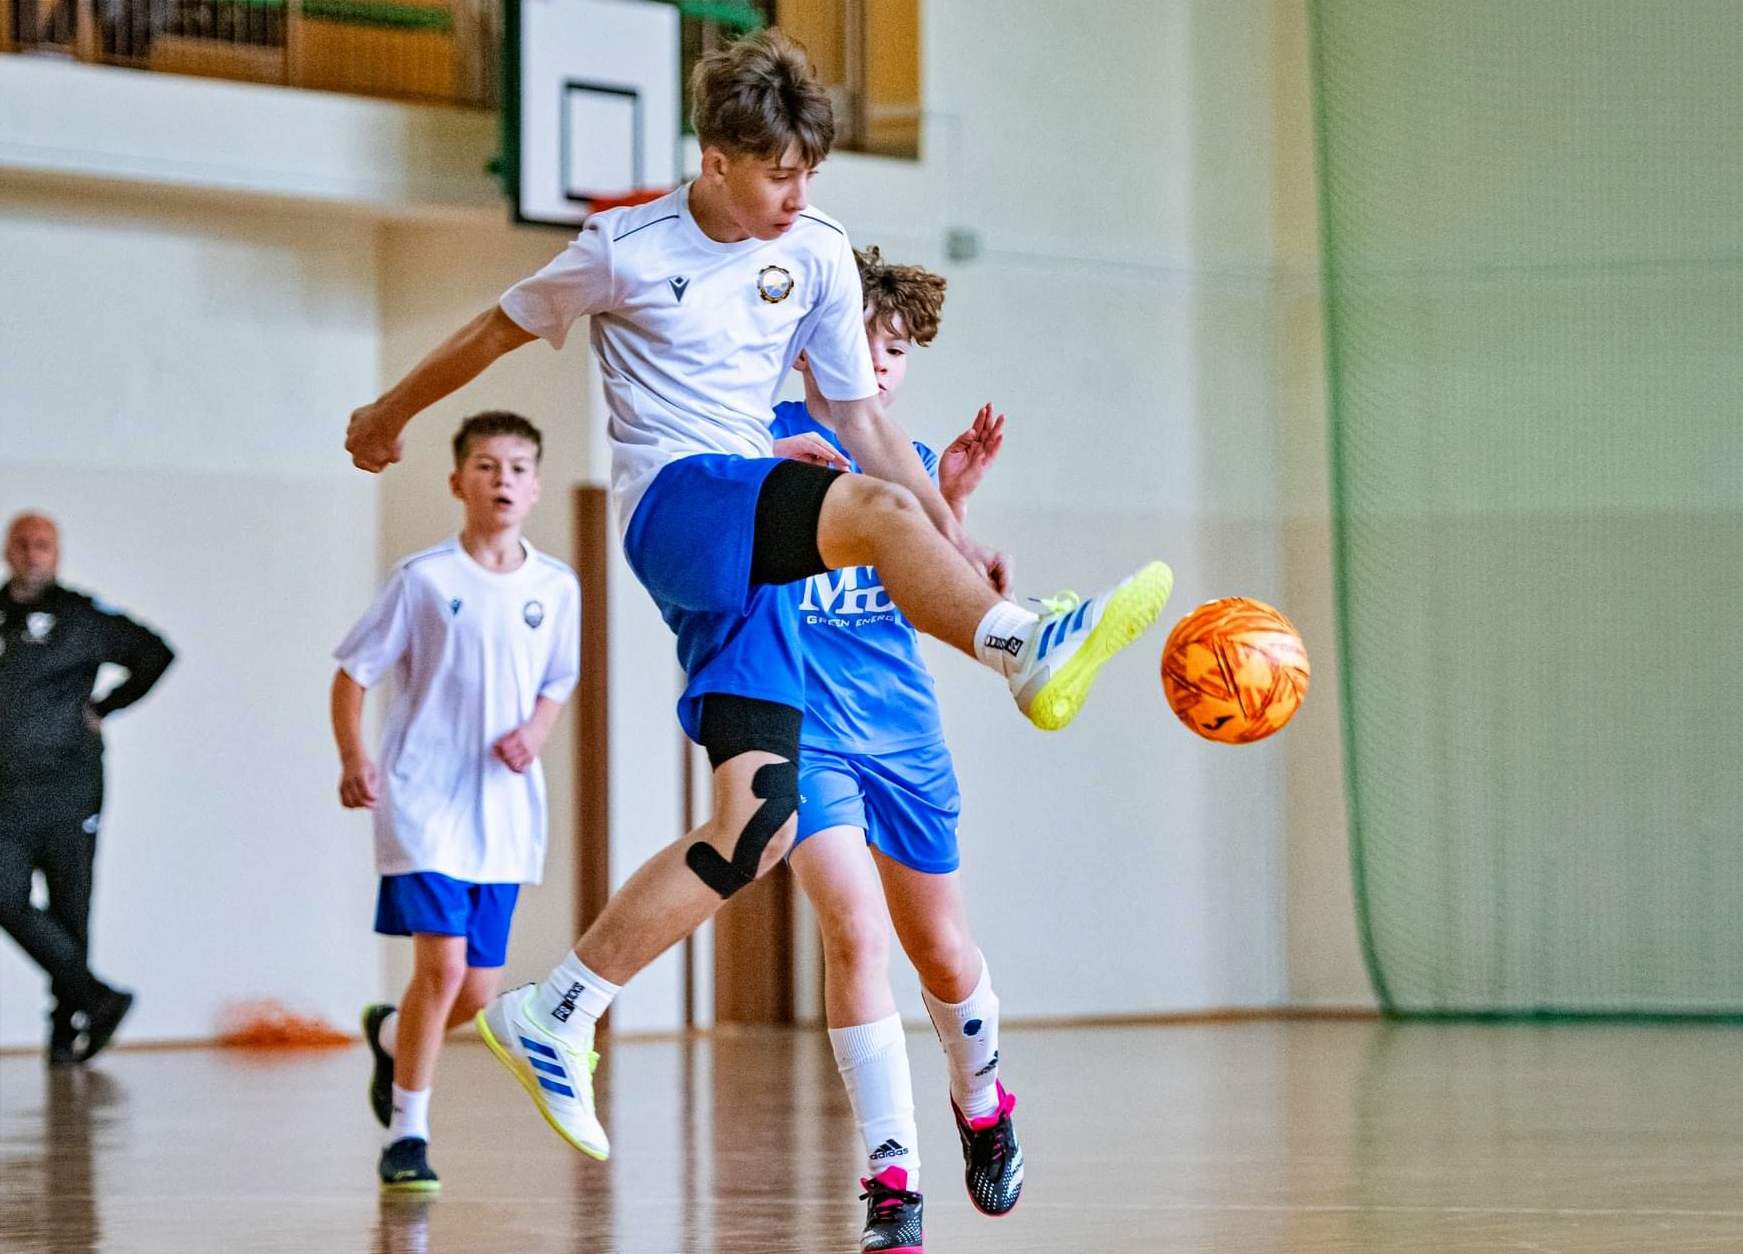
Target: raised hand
[(966, 460)]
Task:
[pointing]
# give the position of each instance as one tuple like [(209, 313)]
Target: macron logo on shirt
[(680, 285)]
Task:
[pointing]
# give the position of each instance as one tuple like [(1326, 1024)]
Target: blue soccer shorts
[(426, 903)]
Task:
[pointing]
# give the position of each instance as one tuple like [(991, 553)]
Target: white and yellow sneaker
[(558, 1077), (1074, 638)]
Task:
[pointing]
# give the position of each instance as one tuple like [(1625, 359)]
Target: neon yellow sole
[(527, 1082), (412, 1187), (1130, 610)]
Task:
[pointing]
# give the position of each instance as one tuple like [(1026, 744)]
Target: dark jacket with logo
[(50, 650)]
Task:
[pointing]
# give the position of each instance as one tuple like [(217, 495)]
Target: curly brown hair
[(912, 293)]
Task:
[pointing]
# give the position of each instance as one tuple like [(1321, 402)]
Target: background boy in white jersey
[(878, 804), (699, 302), (483, 637)]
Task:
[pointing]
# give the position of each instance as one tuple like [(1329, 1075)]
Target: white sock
[(387, 1035), (568, 1004), (873, 1060), (411, 1115), (969, 1032), (1001, 635)]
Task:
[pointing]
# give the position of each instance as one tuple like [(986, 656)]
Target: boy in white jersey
[(878, 806), (699, 303), (482, 635)]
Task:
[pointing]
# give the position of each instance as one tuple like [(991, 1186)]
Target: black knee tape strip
[(732, 725), (777, 784), (784, 544)]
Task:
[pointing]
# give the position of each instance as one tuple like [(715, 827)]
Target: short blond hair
[(758, 97)]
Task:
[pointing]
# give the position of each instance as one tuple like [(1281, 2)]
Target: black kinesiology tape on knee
[(777, 784)]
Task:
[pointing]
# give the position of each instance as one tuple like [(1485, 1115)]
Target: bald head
[(33, 553)]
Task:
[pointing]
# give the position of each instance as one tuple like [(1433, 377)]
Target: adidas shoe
[(405, 1169), (558, 1077), (1075, 638), (892, 1214), (991, 1158), (381, 1076)]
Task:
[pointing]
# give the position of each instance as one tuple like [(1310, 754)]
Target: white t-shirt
[(695, 337), (471, 652)]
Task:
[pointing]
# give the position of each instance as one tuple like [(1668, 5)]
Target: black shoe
[(102, 1020), (63, 1041), (404, 1169), (892, 1214), (992, 1159), (381, 1078)]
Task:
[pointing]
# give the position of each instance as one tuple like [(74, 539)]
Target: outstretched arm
[(967, 459), (373, 440)]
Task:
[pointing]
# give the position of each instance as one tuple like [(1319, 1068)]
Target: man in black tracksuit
[(52, 640)]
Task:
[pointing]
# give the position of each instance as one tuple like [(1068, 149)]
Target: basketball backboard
[(591, 109)]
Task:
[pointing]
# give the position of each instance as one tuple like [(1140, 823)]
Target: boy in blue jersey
[(878, 806), (697, 305)]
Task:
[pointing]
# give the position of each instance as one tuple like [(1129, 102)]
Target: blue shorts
[(906, 802), (425, 903), (690, 543)]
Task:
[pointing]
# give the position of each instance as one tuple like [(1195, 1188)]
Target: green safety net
[(1533, 246)]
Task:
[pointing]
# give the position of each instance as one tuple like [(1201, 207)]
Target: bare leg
[(932, 924), (481, 984), (869, 522), (835, 869), (438, 971), (665, 901)]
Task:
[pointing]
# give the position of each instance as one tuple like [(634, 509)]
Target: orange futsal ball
[(1234, 670)]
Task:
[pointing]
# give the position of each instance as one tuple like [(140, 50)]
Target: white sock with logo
[(411, 1115), (873, 1060), (969, 1032), (568, 1004), (1002, 634)]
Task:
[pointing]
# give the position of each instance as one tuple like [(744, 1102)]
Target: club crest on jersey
[(774, 284), (454, 607), (37, 626), (533, 613)]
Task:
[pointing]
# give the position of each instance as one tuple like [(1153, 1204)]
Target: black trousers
[(60, 842)]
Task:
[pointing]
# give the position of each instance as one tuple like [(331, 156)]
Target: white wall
[(106, 129), (1145, 309), (173, 383)]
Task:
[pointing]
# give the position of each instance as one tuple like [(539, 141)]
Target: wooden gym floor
[(1295, 1137)]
